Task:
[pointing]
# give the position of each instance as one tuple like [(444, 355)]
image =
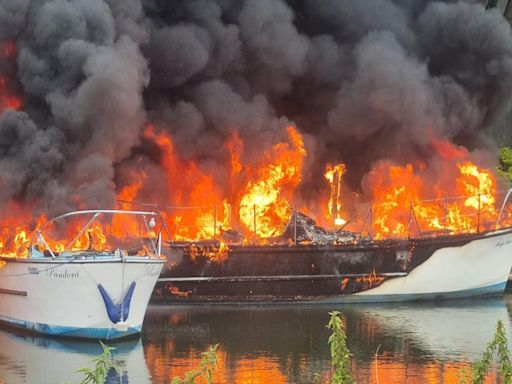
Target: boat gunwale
[(78, 260)]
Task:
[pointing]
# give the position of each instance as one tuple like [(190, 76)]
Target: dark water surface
[(417, 343)]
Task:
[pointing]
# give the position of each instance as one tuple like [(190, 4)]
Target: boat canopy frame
[(156, 244)]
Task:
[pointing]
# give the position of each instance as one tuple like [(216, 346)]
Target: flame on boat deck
[(257, 204), (260, 197)]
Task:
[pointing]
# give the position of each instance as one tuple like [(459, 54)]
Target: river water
[(416, 343)]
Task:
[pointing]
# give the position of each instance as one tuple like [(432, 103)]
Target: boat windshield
[(100, 233)]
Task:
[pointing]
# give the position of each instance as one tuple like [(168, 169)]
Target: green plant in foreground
[(340, 355), (102, 364), (499, 346), (205, 371)]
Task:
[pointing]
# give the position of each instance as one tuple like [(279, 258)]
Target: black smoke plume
[(364, 81)]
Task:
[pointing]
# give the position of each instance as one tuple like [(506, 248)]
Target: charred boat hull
[(417, 269)]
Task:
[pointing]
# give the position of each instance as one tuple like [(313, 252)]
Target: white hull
[(479, 268), (62, 297), (482, 265)]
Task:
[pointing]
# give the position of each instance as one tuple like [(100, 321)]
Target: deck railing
[(427, 218)]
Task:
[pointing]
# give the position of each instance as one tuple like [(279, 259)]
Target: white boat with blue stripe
[(98, 288)]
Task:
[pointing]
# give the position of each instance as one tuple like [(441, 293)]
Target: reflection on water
[(31, 359), (419, 343)]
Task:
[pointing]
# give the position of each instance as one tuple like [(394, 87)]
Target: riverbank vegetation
[(496, 352), (505, 164), (204, 373)]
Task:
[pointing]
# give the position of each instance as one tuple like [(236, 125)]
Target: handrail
[(367, 222), (113, 211), (502, 208), (81, 232), (96, 213)]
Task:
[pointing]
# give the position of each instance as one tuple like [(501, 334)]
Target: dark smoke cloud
[(82, 89), (365, 81)]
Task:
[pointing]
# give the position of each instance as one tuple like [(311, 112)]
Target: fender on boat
[(114, 310)]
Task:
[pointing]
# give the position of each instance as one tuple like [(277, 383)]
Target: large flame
[(265, 206), (257, 199), (405, 204), (189, 187), (333, 174)]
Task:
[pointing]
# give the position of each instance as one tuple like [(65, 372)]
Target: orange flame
[(401, 202), (333, 174), (189, 186), (370, 281), (199, 206), (265, 205)]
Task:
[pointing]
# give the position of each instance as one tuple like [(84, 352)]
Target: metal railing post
[(214, 222), (254, 213), (294, 226), (410, 222), (371, 222), (478, 215), (445, 210), (502, 208)]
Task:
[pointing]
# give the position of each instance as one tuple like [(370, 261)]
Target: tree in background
[(505, 164)]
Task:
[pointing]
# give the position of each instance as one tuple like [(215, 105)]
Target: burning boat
[(93, 286), (310, 264)]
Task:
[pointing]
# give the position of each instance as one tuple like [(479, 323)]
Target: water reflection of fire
[(167, 363)]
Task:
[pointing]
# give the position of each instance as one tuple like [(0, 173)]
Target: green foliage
[(205, 371), (340, 355), (499, 346), (505, 164), (102, 364)]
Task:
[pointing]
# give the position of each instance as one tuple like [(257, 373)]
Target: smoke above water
[(364, 82)]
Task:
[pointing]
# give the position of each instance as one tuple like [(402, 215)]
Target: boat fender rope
[(114, 310)]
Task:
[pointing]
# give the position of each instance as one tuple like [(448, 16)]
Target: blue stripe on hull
[(492, 290), (57, 330)]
